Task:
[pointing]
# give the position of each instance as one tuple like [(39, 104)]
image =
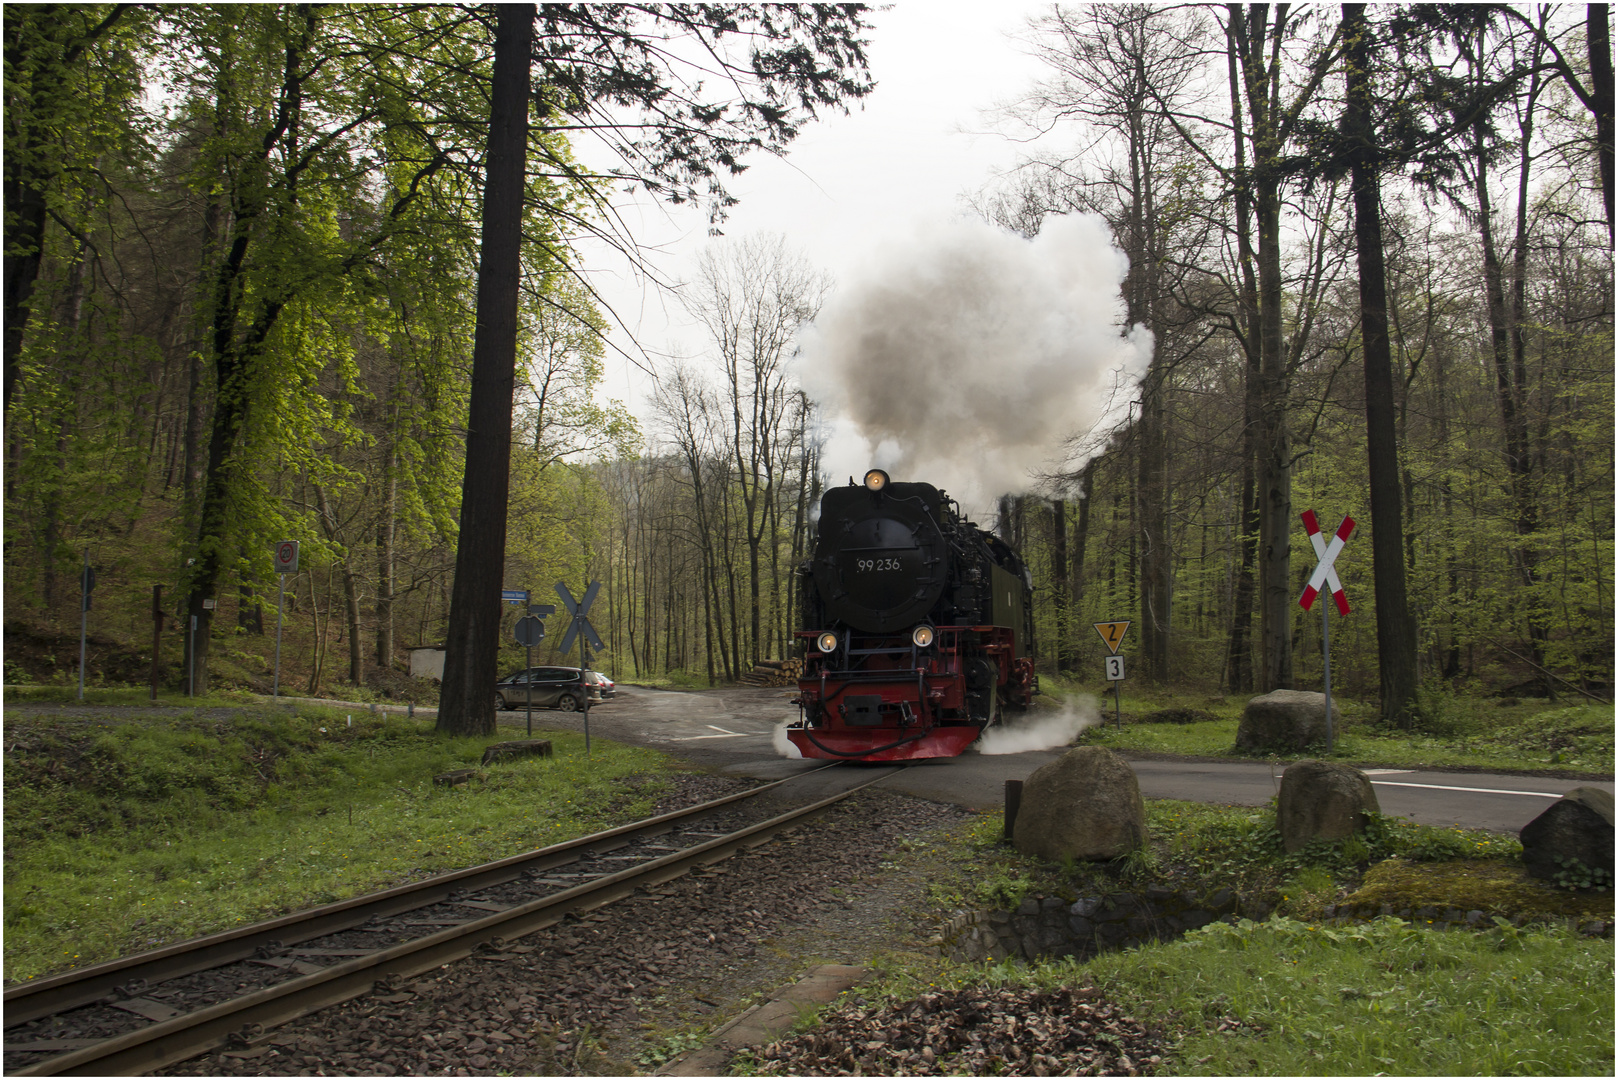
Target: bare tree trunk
[(351, 600), (386, 538), (1061, 586), (1395, 629), (466, 702)]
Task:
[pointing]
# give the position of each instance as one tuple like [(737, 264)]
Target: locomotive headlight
[(826, 642), (876, 480), (922, 636)]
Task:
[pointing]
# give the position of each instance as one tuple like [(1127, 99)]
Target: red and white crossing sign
[(1325, 573)]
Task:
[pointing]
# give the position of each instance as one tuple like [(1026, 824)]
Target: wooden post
[(157, 637), (1013, 803)]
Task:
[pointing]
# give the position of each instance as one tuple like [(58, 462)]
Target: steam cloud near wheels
[(968, 357)]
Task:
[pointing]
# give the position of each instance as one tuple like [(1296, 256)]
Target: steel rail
[(194, 1033), (70, 990)]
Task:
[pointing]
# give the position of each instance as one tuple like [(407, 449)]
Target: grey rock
[(1474, 917), (1081, 926), (1285, 720), (1110, 933), (1138, 925), (1084, 907), (999, 918), (1024, 926), (1222, 900), (1121, 900), (1029, 906), (1052, 903), (1084, 805), (997, 951), (1579, 826), (1196, 917), (1323, 800), (1050, 937)]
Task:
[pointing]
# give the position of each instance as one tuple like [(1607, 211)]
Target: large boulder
[(1285, 720), (1576, 826), (1084, 805), (1321, 800)]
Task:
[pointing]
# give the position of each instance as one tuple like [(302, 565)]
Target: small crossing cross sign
[(1112, 633), (1325, 573), (578, 609)]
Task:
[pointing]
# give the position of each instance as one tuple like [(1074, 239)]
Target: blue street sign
[(514, 596)]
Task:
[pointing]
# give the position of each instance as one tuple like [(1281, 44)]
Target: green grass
[(121, 837), (96, 695), (1454, 732), (1380, 998)]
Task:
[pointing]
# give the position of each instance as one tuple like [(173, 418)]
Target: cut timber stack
[(773, 673)]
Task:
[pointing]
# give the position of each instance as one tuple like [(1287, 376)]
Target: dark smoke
[(968, 357)]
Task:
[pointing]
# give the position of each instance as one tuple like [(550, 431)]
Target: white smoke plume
[(783, 745), (1041, 732), (966, 358)]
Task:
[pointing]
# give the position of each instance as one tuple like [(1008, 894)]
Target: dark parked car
[(550, 688)]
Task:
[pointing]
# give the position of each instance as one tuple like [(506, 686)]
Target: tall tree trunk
[(1395, 629), (1061, 586), (1081, 528), (1599, 39), (351, 599), (466, 702), (1151, 485), (386, 538)]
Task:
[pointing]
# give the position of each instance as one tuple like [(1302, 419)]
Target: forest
[(1373, 247)]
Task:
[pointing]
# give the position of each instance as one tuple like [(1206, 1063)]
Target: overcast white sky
[(851, 185)]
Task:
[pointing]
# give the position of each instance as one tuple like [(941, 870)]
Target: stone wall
[(1045, 927), (1052, 926)]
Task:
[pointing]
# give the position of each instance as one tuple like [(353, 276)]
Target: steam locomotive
[(917, 626)]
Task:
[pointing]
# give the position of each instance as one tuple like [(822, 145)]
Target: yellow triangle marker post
[(1112, 635)]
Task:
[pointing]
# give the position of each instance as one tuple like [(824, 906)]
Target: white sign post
[(286, 562), (1326, 574)]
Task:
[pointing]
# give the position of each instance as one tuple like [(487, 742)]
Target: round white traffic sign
[(286, 557)]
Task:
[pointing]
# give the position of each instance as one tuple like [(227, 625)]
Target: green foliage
[(669, 1047), (1574, 875)]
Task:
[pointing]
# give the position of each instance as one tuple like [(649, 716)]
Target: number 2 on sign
[(1115, 668)]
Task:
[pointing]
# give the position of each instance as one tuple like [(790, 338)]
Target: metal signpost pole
[(280, 604), (86, 583), (530, 631), (191, 659), (1325, 645), (584, 694), (285, 558)]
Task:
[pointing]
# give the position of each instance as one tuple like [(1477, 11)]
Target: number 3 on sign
[(1115, 668)]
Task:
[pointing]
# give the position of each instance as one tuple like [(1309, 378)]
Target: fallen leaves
[(974, 1031)]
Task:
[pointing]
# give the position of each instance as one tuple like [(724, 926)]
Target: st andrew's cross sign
[(579, 610)]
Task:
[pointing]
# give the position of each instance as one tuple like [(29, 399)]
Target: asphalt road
[(734, 730)]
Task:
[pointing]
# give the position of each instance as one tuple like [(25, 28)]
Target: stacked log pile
[(773, 673)]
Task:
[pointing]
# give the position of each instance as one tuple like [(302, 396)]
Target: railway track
[(152, 1009)]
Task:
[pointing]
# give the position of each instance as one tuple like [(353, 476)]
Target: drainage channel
[(306, 962)]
